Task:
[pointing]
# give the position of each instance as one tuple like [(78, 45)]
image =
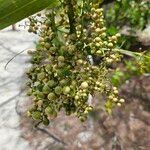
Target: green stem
[(129, 53), (71, 16)]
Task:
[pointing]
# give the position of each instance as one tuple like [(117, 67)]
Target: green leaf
[(12, 11), (112, 30)]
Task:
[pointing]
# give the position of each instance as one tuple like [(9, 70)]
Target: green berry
[(63, 82), (36, 115), (66, 90), (41, 76), (84, 85), (58, 90), (110, 45), (51, 83), (45, 121), (48, 111), (46, 89), (61, 58), (47, 45), (51, 96), (40, 94), (48, 68)]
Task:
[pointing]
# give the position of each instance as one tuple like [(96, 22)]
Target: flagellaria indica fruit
[(62, 76)]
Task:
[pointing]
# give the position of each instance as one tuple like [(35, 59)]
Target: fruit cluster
[(62, 76)]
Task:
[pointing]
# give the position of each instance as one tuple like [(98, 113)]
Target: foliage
[(12, 11), (132, 13), (62, 75), (137, 66), (129, 12)]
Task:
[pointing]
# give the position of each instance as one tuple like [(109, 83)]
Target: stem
[(126, 52), (52, 18), (71, 17), (129, 53)]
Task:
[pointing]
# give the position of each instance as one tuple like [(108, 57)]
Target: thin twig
[(71, 17), (13, 58)]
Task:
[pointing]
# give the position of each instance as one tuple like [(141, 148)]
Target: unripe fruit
[(84, 85), (79, 62), (41, 39), (103, 35), (41, 76), (36, 115), (76, 97), (118, 35), (46, 89), (97, 30), (99, 52), (51, 83), (97, 39), (114, 88), (51, 96), (113, 56), (116, 91), (45, 121), (29, 114), (89, 108), (61, 58), (58, 90), (47, 45), (119, 104), (86, 112), (114, 38), (73, 83), (66, 90), (84, 95), (82, 118), (99, 10), (44, 27), (98, 44), (48, 68), (53, 49), (109, 60), (40, 103), (40, 94), (93, 9), (115, 99), (63, 82), (48, 110), (121, 100), (111, 97), (110, 45)]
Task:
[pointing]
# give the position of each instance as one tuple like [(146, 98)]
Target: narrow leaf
[(12, 11)]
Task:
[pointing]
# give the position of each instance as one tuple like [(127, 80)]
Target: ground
[(11, 85)]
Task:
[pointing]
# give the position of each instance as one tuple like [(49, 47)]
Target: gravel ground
[(11, 83)]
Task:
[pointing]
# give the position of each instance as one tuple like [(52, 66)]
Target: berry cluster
[(62, 76)]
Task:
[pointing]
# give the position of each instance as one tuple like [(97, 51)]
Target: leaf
[(129, 53), (12, 11), (112, 30)]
